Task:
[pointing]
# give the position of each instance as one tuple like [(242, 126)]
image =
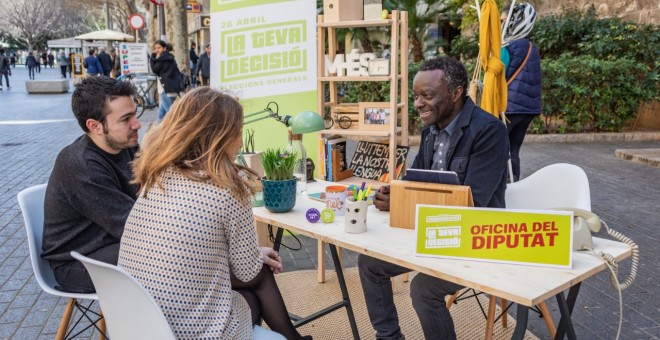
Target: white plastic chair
[(31, 201), (554, 186), (130, 311)]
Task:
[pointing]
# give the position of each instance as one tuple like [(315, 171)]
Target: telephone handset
[(584, 223)]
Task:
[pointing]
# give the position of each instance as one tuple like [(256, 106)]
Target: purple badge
[(313, 215)]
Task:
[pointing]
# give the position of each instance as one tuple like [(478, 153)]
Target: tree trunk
[(418, 53), (176, 29), (367, 47), (152, 22)]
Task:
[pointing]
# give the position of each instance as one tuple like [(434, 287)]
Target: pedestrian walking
[(106, 62), (522, 63), (92, 64), (12, 59), (204, 66), (63, 61), (193, 63), (70, 68), (31, 63), (165, 67), (51, 59), (116, 64), (5, 69)]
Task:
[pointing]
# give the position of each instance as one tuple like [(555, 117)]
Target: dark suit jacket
[(478, 153), (106, 61)]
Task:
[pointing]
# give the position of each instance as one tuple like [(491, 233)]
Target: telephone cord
[(611, 260), (615, 283), (613, 266)]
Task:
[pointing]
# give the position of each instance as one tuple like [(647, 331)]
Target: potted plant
[(251, 158), (279, 184)]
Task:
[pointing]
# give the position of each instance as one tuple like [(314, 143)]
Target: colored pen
[(360, 195), (366, 195), (363, 184)]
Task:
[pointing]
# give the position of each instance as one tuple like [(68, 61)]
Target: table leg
[(320, 255), (521, 322), (262, 234), (344, 291), (278, 239), (566, 309)]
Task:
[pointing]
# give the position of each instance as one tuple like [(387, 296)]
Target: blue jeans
[(427, 294), (164, 106), (193, 74)]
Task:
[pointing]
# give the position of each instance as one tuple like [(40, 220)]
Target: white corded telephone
[(586, 222)]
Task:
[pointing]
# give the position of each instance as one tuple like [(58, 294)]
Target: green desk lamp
[(304, 122)]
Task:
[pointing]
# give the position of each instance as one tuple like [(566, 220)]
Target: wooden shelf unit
[(398, 78)]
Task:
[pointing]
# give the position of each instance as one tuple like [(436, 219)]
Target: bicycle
[(344, 122), (143, 84)]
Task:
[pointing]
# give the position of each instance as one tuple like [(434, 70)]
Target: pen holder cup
[(335, 198), (355, 221)]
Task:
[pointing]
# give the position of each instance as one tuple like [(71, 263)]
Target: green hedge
[(584, 93)]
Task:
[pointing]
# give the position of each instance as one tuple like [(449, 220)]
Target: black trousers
[(517, 127), (72, 276)]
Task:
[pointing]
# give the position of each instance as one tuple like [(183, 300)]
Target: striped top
[(181, 243)]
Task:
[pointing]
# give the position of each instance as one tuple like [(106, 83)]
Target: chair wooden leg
[(548, 320), (505, 316), (102, 326), (66, 318), (405, 277), (490, 320), (451, 299), (320, 278)]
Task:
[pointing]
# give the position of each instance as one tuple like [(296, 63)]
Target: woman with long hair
[(190, 238)]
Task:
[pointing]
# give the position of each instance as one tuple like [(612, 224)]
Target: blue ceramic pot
[(279, 196)]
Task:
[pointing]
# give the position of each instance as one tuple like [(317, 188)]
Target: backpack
[(184, 82)]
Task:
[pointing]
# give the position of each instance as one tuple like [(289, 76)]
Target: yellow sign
[(193, 7), (533, 237)]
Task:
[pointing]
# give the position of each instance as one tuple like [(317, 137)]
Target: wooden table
[(525, 285)]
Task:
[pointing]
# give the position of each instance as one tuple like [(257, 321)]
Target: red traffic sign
[(136, 21)]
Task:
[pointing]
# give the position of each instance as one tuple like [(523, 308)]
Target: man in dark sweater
[(89, 195)]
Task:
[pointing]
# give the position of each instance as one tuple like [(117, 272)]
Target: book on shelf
[(334, 143), (371, 160)]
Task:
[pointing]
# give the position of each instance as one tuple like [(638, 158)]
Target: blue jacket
[(93, 65), (525, 90), (478, 153)]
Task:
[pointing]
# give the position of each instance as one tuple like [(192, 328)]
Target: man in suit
[(460, 137)]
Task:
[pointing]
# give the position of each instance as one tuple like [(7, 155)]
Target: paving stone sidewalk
[(33, 128)]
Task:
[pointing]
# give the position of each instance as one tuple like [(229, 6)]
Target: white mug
[(355, 221)]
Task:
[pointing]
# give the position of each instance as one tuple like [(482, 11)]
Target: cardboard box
[(405, 195), (342, 10), (373, 9)]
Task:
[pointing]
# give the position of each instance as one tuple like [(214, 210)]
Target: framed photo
[(375, 116)]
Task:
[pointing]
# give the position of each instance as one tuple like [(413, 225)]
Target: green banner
[(497, 235), (264, 51)]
